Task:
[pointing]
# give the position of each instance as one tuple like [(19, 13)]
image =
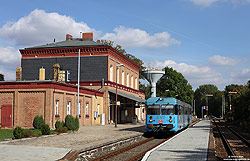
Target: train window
[(167, 109), (176, 109), (153, 110)]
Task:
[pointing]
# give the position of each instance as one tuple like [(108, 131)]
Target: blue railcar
[(167, 114)]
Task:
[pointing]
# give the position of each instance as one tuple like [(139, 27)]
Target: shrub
[(70, 122), (76, 124), (59, 124), (38, 122), (62, 130), (45, 129), (27, 133), (18, 132)]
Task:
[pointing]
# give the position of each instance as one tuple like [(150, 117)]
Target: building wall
[(127, 70), (93, 68), (27, 103)]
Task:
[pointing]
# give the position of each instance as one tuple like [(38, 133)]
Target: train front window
[(167, 109), (153, 110)]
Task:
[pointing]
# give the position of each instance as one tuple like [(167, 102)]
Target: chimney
[(19, 73), (42, 74), (98, 41), (87, 36), (68, 37), (56, 70)]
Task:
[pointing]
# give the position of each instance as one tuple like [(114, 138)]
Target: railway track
[(236, 146), (137, 150)]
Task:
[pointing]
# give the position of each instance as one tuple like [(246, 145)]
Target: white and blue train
[(167, 114)]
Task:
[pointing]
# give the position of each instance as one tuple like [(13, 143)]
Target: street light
[(118, 65)]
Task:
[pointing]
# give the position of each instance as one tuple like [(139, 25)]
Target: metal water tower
[(152, 77)]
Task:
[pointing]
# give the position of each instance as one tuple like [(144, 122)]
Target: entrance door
[(6, 116)]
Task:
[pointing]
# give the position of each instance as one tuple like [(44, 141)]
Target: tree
[(173, 84), (214, 102), (1, 77)]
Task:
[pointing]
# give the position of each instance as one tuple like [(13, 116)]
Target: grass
[(8, 133)]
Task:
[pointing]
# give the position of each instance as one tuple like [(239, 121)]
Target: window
[(153, 110), (118, 78), (127, 80), (136, 84), (167, 109), (132, 81), (68, 107), (87, 109), (56, 107), (122, 77), (111, 73), (98, 108)]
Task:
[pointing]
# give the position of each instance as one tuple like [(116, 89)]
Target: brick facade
[(40, 99)]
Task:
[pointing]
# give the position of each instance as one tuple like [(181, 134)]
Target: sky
[(208, 41)]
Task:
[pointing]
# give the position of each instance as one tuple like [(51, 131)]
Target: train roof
[(164, 100)]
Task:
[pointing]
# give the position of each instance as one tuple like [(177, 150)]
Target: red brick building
[(101, 67), (21, 101)]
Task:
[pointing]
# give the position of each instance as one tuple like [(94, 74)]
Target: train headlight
[(170, 119), (150, 119)]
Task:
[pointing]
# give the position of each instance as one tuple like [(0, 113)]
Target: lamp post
[(118, 65), (78, 84)]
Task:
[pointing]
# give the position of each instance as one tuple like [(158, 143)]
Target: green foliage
[(59, 124), (6, 134), (214, 103), (145, 88), (240, 104), (18, 132), (27, 133), (173, 84), (45, 129), (1, 77), (62, 129), (38, 122), (70, 122), (76, 123)]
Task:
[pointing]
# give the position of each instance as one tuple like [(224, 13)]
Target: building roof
[(77, 42)]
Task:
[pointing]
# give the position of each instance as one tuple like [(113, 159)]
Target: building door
[(6, 116)]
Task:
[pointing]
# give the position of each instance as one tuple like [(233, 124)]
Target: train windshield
[(153, 110), (167, 109)]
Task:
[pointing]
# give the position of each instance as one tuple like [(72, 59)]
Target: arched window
[(136, 83), (132, 81), (111, 73), (127, 80), (122, 77)]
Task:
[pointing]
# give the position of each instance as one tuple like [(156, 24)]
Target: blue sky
[(206, 40)]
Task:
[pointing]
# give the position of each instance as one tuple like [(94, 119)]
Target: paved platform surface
[(29, 153), (191, 144), (87, 137)]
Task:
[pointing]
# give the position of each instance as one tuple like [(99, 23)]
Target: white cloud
[(207, 3), (203, 3), (223, 61), (10, 58), (129, 37), (196, 75), (9, 55), (40, 27), (241, 77)]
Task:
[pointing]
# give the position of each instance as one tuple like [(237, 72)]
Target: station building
[(103, 70)]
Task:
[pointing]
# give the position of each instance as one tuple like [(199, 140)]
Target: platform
[(191, 144)]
